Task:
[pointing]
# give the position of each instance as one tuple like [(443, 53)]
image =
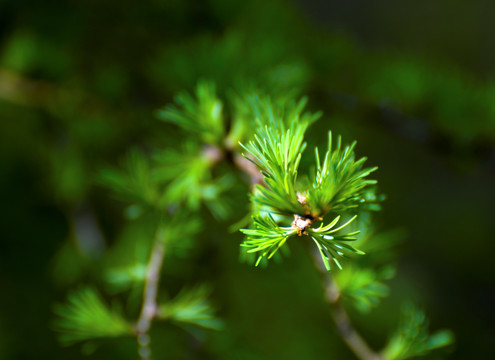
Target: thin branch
[(344, 326), (215, 154), (149, 307), (212, 153), (21, 90), (24, 91), (248, 168)]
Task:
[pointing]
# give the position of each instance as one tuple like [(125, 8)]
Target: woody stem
[(346, 330)]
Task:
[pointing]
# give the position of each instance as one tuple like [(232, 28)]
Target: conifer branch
[(347, 332), (150, 306)]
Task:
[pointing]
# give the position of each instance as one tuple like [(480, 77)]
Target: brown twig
[(149, 307), (344, 326), (248, 168), (24, 91), (215, 154)]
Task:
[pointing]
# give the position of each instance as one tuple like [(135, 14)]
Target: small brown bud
[(301, 224)]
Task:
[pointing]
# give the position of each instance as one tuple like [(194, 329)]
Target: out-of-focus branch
[(248, 168), (23, 91), (215, 154), (344, 326), (149, 307)]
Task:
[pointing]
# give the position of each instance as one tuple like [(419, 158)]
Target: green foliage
[(85, 316), (412, 338), (340, 183), (177, 232), (331, 243), (339, 186), (188, 174), (266, 237), (449, 96), (178, 229), (225, 59), (133, 183), (191, 307), (276, 150), (175, 177), (169, 178), (364, 287), (124, 277), (201, 116)]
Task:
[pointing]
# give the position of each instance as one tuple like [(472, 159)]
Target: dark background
[(412, 82)]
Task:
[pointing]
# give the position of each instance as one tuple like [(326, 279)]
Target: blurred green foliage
[(191, 307), (86, 317), (79, 86), (412, 339)]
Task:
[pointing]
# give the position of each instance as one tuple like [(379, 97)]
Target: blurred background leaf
[(85, 316), (412, 338), (191, 307)]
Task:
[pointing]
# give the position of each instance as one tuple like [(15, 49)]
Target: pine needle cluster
[(340, 186)]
